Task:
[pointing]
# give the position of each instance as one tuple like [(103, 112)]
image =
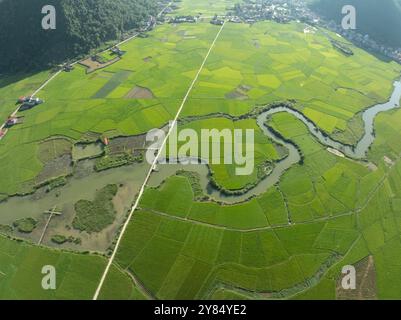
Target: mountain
[(80, 26), (381, 19)]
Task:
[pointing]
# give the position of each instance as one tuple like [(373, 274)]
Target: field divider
[(154, 163), (77, 61)]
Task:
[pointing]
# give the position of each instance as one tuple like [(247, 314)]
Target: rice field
[(21, 273), (77, 103), (288, 243), (204, 7), (266, 257)]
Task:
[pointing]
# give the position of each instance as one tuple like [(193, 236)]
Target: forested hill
[(81, 26), (381, 19)]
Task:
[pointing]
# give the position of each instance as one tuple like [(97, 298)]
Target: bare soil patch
[(140, 93), (93, 65), (53, 148), (127, 144), (366, 288), (240, 93), (60, 166)]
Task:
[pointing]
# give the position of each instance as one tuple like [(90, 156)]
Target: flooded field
[(84, 151), (86, 182), (83, 185)]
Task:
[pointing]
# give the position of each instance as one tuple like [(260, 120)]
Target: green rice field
[(204, 7), (289, 242), (21, 273)]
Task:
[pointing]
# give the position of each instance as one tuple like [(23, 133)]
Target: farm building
[(68, 67), (12, 121), (117, 51), (235, 19), (183, 19), (217, 21), (33, 102), (23, 99)]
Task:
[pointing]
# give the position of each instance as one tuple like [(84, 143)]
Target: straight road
[(140, 194)]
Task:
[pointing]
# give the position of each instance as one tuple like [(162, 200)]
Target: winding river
[(358, 152), (84, 187)]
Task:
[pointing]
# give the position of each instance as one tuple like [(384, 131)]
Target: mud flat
[(83, 185)]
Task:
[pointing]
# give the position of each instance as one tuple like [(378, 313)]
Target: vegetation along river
[(357, 152), (78, 188)]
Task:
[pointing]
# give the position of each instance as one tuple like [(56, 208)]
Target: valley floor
[(290, 241)]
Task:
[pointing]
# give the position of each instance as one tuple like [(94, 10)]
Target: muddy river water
[(358, 152), (130, 178)]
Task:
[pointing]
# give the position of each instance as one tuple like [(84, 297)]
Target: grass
[(21, 275), (26, 225), (194, 180), (116, 160), (6, 229), (94, 216), (180, 247), (260, 253), (61, 239)]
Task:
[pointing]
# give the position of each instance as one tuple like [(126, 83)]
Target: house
[(183, 19), (23, 99), (217, 22), (105, 141), (67, 67), (33, 102), (117, 51), (12, 121), (26, 106), (234, 19)]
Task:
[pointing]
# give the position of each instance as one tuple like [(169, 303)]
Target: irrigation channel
[(84, 187)]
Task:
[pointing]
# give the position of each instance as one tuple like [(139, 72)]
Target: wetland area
[(85, 182)]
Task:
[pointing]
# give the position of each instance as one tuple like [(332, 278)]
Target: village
[(284, 11)]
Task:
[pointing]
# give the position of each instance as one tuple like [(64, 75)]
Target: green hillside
[(81, 25)]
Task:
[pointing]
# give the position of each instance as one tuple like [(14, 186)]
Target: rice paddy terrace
[(283, 240)]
